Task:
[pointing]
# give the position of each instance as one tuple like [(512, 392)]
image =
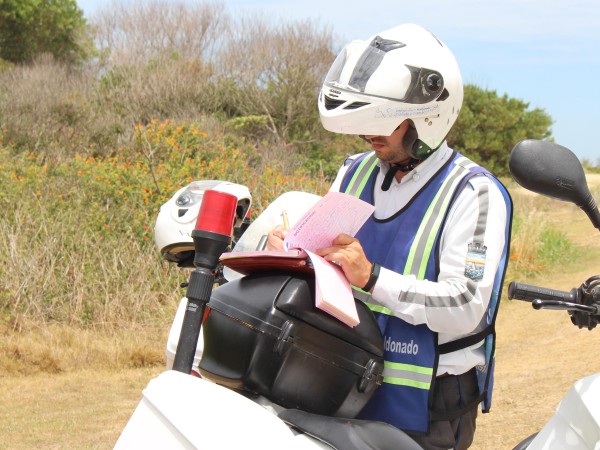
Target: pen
[(286, 222), (263, 242)]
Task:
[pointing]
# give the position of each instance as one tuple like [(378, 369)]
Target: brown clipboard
[(268, 260)]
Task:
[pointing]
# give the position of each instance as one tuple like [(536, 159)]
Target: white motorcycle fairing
[(179, 411), (576, 423)]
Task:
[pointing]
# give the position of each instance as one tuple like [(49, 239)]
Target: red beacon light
[(214, 226), (217, 212)]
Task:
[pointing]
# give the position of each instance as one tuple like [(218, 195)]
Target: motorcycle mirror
[(554, 171)]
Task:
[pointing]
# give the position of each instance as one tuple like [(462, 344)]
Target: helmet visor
[(376, 69)]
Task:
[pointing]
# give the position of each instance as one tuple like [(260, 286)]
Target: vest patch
[(406, 348), (475, 262)]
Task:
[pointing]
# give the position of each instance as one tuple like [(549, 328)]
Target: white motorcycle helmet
[(402, 73), (177, 217)]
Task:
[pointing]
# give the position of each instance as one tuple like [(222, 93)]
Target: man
[(431, 260)]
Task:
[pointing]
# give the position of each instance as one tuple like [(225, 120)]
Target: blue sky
[(544, 52)]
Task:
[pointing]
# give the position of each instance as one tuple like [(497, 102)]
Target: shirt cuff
[(387, 290)]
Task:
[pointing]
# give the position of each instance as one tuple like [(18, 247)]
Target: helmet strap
[(405, 167)]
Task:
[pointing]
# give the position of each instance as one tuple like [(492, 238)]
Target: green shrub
[(536, 246), (76, 233), (555, 247)]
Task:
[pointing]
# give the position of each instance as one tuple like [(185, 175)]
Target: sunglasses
[(362, 136)]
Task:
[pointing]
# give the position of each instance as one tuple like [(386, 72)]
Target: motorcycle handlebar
[(529, 293)]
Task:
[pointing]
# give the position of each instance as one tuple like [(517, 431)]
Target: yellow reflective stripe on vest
[(407, 375), (361, 176), (374, 307), (403, 374), (422, 246)]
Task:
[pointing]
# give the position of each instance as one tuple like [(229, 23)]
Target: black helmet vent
[(356, 105), (332, 103)]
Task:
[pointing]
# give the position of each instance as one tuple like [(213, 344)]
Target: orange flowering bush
[(180, 154), (122, 193), (76, 239)]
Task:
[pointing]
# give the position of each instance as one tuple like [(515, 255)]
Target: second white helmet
[(399, 74), (177, 217)]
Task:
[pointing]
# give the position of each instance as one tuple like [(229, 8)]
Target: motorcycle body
[(554, 171), (180, 411), (267, 369), (574, 424)]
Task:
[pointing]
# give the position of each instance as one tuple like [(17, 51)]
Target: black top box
[(264, 335)]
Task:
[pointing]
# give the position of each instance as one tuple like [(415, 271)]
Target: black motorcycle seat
[(349, 434)]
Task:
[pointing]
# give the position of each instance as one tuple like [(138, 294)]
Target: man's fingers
[(343, 239)]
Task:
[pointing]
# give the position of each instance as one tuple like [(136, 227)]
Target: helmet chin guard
[(404, 73)]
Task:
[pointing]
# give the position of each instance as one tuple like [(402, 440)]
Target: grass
[(87, 402), (63, 386), (75, 300), (84, 409), (76, 240), (59, 348), (537, 241), (115, 315)]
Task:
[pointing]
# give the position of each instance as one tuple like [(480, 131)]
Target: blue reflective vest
[(408, 243)]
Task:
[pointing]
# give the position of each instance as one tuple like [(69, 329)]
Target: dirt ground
[(540, 354)]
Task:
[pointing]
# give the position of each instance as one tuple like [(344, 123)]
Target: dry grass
[(83, 409), (63, 387), (57, 267), (539, 356), (54, 349)]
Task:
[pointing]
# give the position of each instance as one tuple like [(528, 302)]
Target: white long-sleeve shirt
[(453, 305)]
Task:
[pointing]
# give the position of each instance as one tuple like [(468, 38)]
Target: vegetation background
[(102, 121)]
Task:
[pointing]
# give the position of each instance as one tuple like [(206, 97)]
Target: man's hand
[(276, 237), (347, 253)]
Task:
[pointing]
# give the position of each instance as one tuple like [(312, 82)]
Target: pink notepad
[(333, 291), (334, 214)]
